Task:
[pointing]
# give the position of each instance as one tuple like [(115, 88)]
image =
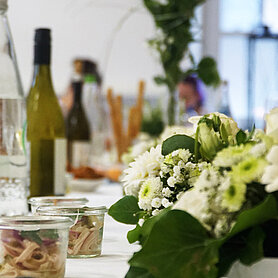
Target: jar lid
[(71, 210), (33, 223), (3, 5), (50, 200)]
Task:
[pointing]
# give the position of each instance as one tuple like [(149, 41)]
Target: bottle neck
[(77, 97)]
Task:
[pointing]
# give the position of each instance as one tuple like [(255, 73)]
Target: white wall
[(86, 28)]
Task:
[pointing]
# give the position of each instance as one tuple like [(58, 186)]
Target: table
[(113, 263)]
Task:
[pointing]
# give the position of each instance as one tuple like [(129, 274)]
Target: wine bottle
[(78, 131), (46, 128)]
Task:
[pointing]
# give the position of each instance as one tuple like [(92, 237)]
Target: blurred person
[(81, 68), (191, 91)]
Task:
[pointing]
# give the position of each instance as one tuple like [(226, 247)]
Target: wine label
[(14, 166), (80, 153), (60, 149)]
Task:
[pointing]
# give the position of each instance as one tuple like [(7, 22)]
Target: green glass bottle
[(78, 131), (46, 128)]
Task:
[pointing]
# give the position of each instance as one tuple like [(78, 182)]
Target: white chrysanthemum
[(155, 212), (231, 155), (150, 189), (166, 203), (144, 166), (156, 202), (207, 179), (171, 181), (166, 192), (272, 156), (258, 150)]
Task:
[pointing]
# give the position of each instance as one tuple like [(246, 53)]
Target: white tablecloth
[(115, 249)]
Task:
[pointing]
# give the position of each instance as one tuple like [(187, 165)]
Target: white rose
[(272, 186), (272, 124), (270, 174), (272, 156), (192, 201), (155, 212)]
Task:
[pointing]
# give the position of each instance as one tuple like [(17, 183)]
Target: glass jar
[(85, 235), (36, 202), (33, 246)]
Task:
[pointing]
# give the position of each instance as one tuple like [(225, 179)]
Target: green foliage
[(178, 246), (32, 236), (126, 210), (136, 272), (152, 122), (174, 21), (178, 142)]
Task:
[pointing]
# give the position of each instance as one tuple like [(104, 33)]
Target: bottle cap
[(3, 5), (42, 36)]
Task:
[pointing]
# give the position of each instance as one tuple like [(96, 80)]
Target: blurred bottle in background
[(13, 159), (46, 128), (78, 131)]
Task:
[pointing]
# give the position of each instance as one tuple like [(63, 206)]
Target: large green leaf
[(126, 210), (255, 216), (178, 246), (178, 142), (136, 272)]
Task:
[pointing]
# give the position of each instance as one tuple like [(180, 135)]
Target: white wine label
[(14, 166), (60, 148), (80, 153)]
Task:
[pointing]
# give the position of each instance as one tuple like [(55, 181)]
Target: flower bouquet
[(201, 202)]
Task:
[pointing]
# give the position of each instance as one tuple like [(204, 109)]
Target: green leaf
[(178, 246), (134, 235), (32, 236), (241, 137), (136, 272), (254, 250), (255, 216), (126, 210), (178, 142)]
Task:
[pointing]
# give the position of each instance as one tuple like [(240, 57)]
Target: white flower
[(166, 203), (272, 124), (193, 202), (258, 150), (184, 154), (272, 156), (156, 202), (144, 166), (270, 174), (141, 222), (166, 192), (175, 153), (177, 171), (150, 189), (155, 212), (171, 181), (272, 186)]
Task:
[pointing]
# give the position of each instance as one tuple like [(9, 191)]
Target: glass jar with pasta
[(33, 246), (36, 202), (85, 235)]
